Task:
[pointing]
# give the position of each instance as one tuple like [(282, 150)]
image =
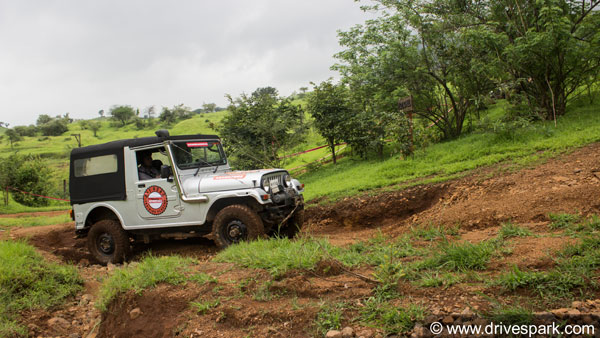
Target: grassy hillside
[(580, 126), (351, 175)]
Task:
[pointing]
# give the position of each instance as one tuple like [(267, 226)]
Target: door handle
[(141, 185)]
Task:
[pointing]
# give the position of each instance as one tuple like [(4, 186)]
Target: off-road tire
[(295, 223), (240, 214), (104, 231)]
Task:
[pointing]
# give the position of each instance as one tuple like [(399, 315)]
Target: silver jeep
[(175, 187)]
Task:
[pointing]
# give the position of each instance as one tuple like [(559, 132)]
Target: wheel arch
[(221, 203), (100, 212)]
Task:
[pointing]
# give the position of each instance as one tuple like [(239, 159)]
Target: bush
[(54, 127), (27, 173)]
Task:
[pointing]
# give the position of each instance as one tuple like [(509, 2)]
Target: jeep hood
[(222, 181)]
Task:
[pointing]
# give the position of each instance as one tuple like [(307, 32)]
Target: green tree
[(209, 107), (43, 119), (55, 127), (26, 173), (414, 48), (12, 136), (26, 130), (94, 126), (260, 128), (329, 105), (122, 113), (552, 47)]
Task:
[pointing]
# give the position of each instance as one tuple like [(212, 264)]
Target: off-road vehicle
[(186, 189)]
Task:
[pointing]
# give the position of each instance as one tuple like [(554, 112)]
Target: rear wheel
[(108, 242), (236, 223)]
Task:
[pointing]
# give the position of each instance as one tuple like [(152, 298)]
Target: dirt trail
[(477, 204)]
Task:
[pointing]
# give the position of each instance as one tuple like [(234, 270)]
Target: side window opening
[(149, 162)]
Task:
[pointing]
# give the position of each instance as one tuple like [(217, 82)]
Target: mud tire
[(236, 216), (108, 242), (293, 225)]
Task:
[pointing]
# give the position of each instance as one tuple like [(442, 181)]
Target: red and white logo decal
[(197, 144), (155, 200), (230, 177)]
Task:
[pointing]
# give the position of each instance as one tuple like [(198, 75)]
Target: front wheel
[(108, 242), (236, 223)]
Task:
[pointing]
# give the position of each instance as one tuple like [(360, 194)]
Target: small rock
[(347, 332), (560, 313), (577, 170), (467, 312), (448, 320), (365, 334), (334, 334), (574, 312), (58, 323), (133, 314)]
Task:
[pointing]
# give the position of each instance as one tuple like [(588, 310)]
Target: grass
[(580, 126), (329, 318), (461, 256), (147, 273), (16, 208), (203, 307), (509, 230), (29, 282), (561, 221), (390, 318), (29, 221)]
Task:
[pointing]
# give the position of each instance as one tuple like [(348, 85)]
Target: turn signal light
[(71, 214), (265, 197)]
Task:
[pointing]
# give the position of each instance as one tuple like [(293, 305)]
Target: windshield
[(194, 154)]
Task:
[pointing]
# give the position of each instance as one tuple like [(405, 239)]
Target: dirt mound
[(156, 313), (570, 184), (62, 242)]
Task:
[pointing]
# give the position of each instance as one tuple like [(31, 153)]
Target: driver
[(146, 171)]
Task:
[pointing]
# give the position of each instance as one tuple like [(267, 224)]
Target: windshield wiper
[(198, 170)]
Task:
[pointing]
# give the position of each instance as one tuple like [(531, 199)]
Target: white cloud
[(83, 56)]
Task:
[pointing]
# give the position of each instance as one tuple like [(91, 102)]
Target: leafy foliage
[(122, 113), (27, 173), (260, 128)]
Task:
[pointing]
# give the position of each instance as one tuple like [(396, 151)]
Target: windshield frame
[(179, 146)]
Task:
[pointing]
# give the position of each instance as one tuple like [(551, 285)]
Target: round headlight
[(265, 185), (288, 180)]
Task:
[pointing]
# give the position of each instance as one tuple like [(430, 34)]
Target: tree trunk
[(332, 147)]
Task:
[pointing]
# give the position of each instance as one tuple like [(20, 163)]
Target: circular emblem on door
[(155, 200)]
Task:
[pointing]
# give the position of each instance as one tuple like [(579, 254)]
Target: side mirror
[(165, 171)]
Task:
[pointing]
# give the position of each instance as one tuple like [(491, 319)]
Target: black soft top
[(111, 186), (114, 146)]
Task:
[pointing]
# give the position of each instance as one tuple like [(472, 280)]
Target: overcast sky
[(82, 56)]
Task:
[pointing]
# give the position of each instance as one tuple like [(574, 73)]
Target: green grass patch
[(390, 318), (202, 278), (461, 256), (434, 279), (29, 282), (509, 230), (29, 221), (328, 318), (147, 273), (203, 307), (562, 221), (510, 315), (432, 232)]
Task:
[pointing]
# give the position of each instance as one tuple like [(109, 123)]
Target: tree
[(101, 113), (414, 48), (172, 115), (55, 127), (12, 136), (26, 173), (260, 128), (42, 119), (209, 107), (329, 105), (122, 113), (552, 47), (26, 130), (94, 126)]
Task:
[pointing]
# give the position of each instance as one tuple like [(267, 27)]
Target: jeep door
[(157, 198)]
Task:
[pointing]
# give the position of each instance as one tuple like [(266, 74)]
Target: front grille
[(275, 178)]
